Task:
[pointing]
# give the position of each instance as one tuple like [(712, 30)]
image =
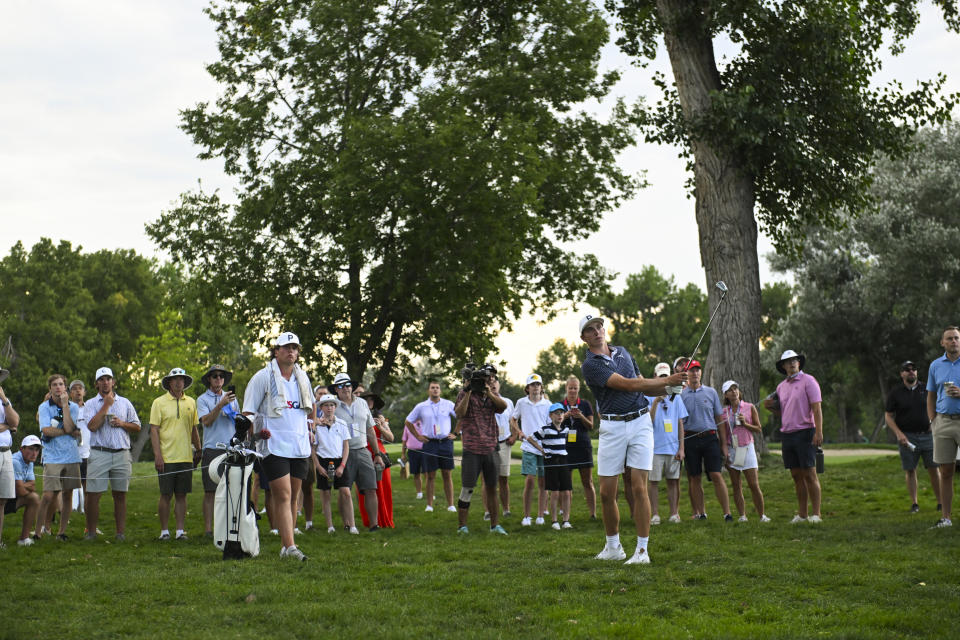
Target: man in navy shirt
[(626, 432), (906, 416)]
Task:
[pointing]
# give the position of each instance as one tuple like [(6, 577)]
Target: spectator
[(578, 418), (384, 487), (58, 418), (529, 414), (217, 407), (943, 410), (431, 423), (505, 439), (668, 413), (551, 440), (78, 392), (703, 447), (355, 412), (332, 453), (24, 488), (743, 422), (412, 451)]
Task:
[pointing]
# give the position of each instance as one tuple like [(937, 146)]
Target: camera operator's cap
[(176, 372), (31, 441), (556, 406), (786, 355), (103, 371), (533, 377), (227, 375), (288, 338), (589, 319), (729, 383), (662, 369), (328, 398), (907, 363)]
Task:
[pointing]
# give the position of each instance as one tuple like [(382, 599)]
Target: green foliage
[(63, 311), (880, 290), (795, 107), (404, 165), (777, 580)]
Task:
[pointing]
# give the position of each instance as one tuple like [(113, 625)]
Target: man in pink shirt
[(802, 429)]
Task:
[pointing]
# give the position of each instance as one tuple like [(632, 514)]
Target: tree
[(881, 289), (788, 125), (404, 168), (558, 362)]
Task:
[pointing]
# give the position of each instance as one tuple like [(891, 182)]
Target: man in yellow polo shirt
[(173, 426)]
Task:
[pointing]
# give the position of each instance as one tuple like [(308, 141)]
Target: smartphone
[(232, 389)]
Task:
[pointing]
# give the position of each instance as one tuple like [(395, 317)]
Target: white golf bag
[(235, 529)]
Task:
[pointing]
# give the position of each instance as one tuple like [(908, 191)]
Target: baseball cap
[(662, 368), (729, 383), (103, 371), (77, 383), (588, 320), (533, 377), (288, 338), (31, 441), (907, 363), (694, 363), (556, 406)]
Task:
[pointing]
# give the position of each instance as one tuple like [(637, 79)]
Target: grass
[(870, 570)]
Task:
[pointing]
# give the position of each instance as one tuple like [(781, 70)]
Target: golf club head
[(721, 285)]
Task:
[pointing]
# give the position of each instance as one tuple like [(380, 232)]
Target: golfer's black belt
[(624, 417), (700, 434), (107, 449)]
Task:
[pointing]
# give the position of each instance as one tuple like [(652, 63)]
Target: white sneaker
[(655, 519), (429, 509), (525, 522), (640, 557), (675, 518), (263, 510), (764, 518), (616, 553), (943, 523), (274, 532), (26, 542), (815, 519), (452, 509), (293, 552), (567, 525), (742, 519), (331, 529), (296, 531), (539, 520), (555, 526), (486, 515), (797, 519), (420, 496), (354, 531)]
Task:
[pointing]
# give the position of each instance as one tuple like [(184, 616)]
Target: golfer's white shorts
[(625, 444)]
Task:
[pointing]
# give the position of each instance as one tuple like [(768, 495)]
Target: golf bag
[(234, 519)]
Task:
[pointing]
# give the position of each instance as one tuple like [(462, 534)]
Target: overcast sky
[(90, 148)]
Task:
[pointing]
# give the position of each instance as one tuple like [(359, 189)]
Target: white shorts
[(625, 444), (503, 460), (749, 462), (8, 485), (665, 466)]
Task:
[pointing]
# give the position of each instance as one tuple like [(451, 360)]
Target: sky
[(90, 149)]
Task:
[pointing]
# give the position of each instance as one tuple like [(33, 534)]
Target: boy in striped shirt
[(551, 440)]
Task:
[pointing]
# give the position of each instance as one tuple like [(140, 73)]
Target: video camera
[(476, 377)]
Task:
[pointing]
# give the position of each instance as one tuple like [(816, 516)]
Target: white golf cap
[(287, 338), (588, 320), (662, 368), (31, 441), (341, 378), (533, 377), (328, 398), (729, 383), (103, 371)]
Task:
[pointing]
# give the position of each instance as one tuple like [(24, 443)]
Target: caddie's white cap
[(662, 368), (590, 319), (288, 338), (103, 371), (533, 377), (729, 383), (328, 398), (31, 441)]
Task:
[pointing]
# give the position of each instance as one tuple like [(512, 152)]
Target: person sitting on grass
[(25, 488), (551, 441), (332, 452)]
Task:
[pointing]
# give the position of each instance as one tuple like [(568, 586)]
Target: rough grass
[(870, 570)]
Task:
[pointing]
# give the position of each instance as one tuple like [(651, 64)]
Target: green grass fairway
[(871, 570)]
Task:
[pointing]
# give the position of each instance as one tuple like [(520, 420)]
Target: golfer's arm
[(648, 386)]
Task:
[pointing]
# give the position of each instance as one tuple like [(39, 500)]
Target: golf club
[(723, 294)]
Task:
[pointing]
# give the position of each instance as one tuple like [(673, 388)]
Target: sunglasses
[(909, 369), (217, 375), (344, 385)]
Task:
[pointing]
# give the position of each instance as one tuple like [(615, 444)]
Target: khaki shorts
[(8, 485), (665, 466), (946, 437), (113, 466), (60, 477), (503, 459)]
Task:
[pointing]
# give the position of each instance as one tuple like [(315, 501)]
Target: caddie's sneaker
[(655, 519), (463, 529), (539, 520), (452, 509), (567, 525), (742, 519), (25, 542), (815, 519), (429, 508), (797, 519), (556, 526), (764, 518), (942, 523), (640, 557), (675, 518), (526, 522), (615, 553), (498, 529), (914, 508)]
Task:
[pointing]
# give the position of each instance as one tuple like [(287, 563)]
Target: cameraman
[(476, 409)]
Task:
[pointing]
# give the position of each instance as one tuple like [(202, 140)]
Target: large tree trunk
[(724, 206)]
